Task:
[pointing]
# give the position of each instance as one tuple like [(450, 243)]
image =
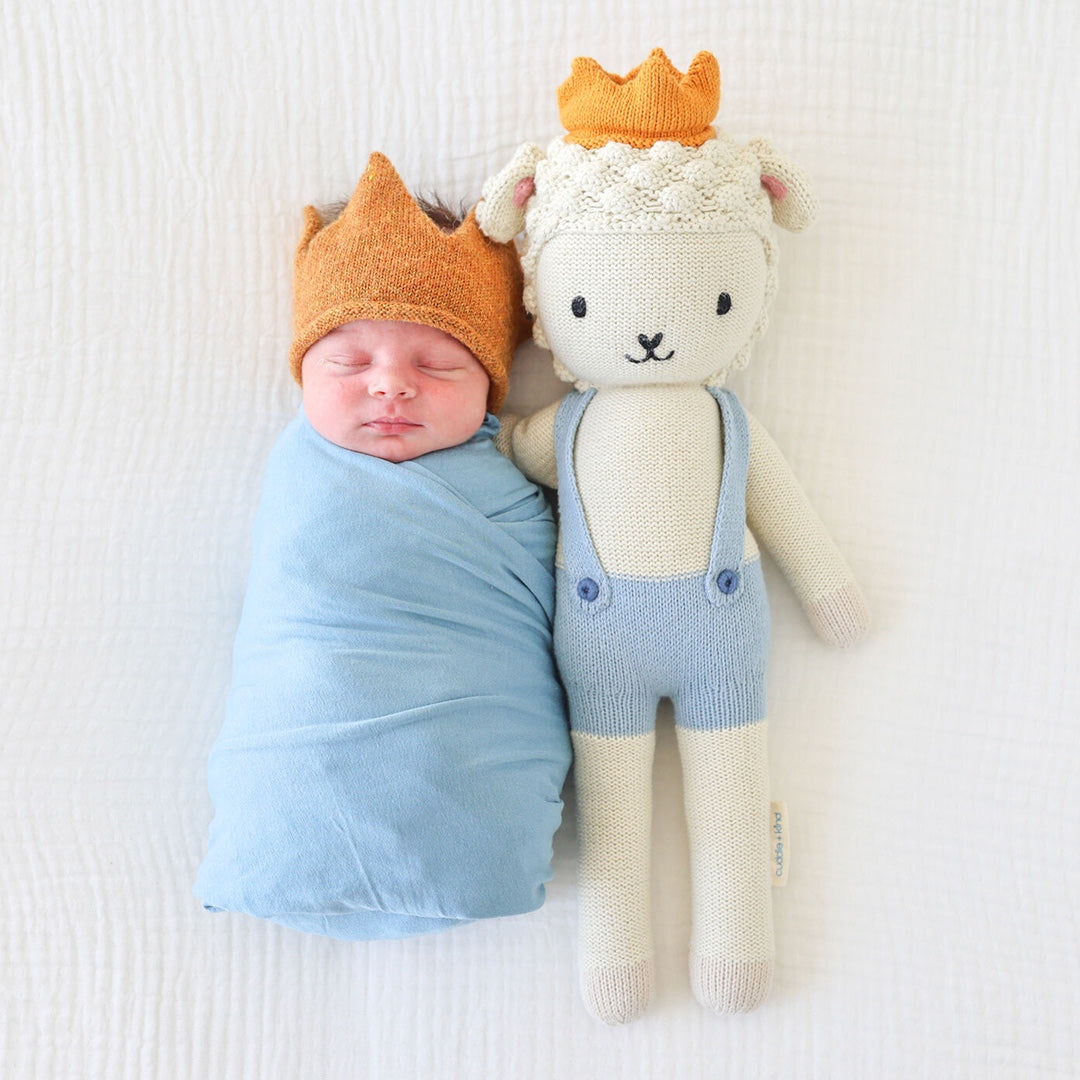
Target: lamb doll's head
[(649, 253)]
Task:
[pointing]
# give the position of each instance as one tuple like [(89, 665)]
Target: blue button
[(728, 580), (587, 589)]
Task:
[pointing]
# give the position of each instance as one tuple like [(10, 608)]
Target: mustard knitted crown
[(384, 258), (651, 102)]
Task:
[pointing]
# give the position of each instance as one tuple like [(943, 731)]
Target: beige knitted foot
[(730, 986), (618, 993)]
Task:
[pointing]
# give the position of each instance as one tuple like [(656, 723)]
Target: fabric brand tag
[(779, 843)]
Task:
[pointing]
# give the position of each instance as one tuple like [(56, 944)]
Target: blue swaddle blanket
[(395, 739)]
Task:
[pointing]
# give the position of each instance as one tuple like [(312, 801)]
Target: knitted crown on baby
[(384, 258)]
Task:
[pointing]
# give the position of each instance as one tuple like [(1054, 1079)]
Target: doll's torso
[(648, 463)]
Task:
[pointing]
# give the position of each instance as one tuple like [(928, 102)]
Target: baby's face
[(394, 390)]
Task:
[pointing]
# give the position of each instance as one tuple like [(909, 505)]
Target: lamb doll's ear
[(501, 210), (793, 204)]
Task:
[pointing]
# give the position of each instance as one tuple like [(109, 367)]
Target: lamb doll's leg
[(613, 778), (726, 788)]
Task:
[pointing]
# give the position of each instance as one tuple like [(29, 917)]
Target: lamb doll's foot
[(618, 993), (730, 986)]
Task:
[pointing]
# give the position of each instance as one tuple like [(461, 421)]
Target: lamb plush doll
[(650, 263)]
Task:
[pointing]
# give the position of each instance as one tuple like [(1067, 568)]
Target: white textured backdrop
[(921, 372)]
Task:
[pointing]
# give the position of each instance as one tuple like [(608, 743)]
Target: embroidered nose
[(647, 342), (587, 589), (727, 581)]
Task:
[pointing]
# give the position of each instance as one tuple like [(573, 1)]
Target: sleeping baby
[(395, 738)]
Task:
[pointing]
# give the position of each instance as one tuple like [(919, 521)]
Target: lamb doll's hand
[(841, 617), (529, 442), (504, 436)]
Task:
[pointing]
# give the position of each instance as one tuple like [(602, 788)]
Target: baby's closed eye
[(347, 361), (440, 367)]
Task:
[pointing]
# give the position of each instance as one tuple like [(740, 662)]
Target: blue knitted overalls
[(622, 642)]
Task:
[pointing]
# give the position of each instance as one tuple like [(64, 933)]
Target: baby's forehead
[(395, 333)]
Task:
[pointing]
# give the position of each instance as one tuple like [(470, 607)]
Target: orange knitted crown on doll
[(384, 258), (654, 101)]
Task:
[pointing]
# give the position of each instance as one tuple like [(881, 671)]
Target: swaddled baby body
[(395, 738)]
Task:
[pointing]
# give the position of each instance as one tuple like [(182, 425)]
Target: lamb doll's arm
[(529, 442), (780, 515)]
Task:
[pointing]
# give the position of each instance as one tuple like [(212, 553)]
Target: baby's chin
[(398, 447), (394, 448), (401, 447)]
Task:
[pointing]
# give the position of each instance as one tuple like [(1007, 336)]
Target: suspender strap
[(724, 579), (591, 588)]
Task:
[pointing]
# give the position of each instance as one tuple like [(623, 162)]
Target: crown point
[(378, 164), (381, 177), (582, 65), (704, 71), (659, 57)]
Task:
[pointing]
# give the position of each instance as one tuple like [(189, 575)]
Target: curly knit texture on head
[(385, 259), (666, 187)]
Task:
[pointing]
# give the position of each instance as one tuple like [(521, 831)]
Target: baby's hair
[(434, 205)]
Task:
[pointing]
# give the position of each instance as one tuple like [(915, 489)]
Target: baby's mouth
[(391, 425)]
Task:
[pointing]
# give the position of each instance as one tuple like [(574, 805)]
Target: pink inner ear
[(523, 190), (776, 187)]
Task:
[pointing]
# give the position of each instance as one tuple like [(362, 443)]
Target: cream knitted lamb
[(650, 263)]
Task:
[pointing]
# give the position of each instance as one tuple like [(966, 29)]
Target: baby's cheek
[(465, 412), (329, 405), (475, 407)]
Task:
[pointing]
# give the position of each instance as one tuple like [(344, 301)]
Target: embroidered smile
[(648, 344)]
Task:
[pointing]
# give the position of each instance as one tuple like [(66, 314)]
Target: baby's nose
[(392, 390), (391, 384)]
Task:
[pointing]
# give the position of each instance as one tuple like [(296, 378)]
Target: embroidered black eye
[(577, 306), (723, 305)]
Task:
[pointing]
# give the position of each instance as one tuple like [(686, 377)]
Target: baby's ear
[(501, 210), (793, 203)]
